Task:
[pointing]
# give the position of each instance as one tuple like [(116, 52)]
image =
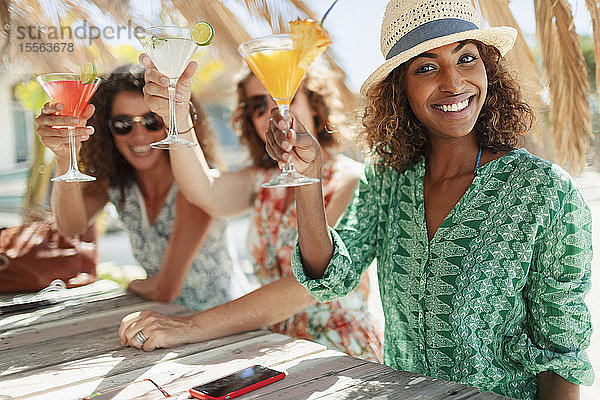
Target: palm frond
[(593, 7), (29, 23), (498, 13), (230, 32), (4, 27), (567, 80)]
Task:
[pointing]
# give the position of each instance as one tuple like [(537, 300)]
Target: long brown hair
[(100, 156), (324, 99), (398, 138)]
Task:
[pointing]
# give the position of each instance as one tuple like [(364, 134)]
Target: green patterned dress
[(496, 297)]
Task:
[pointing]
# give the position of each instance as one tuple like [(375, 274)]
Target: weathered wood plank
[(68, 309), (178, 374), (99, 286), (70, 347), (303, 367), (108, 314), (404, 385), (318, 374), (125, 360)]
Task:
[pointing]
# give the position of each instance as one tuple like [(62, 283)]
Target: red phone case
[(239, 392)]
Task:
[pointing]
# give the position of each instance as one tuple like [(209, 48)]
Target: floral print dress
[(345, 324)]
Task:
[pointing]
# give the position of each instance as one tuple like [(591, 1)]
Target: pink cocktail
[(74, 95)]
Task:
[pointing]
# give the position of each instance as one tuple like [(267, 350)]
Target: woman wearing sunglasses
[(181, 247), (280, 302)]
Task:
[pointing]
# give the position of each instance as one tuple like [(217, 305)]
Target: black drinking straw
[(327, 12)]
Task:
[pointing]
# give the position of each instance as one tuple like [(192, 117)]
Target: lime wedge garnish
[(87, 74), (203, 33)]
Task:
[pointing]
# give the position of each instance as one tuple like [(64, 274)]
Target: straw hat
[(411, 27)]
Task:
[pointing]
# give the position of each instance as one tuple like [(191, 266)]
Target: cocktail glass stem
[(284, 110), (172, 140), (72, 150), (73, 174), (172, 119), (288, 176)]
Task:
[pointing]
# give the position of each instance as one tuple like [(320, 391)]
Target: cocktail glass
[(171, 48), (74, 95), (276, 63)]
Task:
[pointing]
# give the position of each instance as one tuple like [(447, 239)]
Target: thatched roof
[(230, 34), (563, 71)]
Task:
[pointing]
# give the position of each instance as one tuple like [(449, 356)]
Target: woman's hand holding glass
[(297, 145), (156, 93), (57, 139)]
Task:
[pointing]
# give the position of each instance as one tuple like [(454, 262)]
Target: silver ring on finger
[(140, 337)]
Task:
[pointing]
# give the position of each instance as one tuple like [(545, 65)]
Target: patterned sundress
[(343, 324)]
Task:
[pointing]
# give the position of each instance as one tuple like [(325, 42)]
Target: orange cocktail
[(280, 62), (279, 72)]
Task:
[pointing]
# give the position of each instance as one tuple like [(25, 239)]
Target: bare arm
[(314, 239), (219, 194), (262, 307), (265, 306), (304, 151), (189, 231), (552, 386), (74, 204)]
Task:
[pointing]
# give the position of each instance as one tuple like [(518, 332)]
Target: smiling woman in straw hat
[(483, 250)]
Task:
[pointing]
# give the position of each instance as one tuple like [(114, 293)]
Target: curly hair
[(100, 156), (324, 99), (398, 139)]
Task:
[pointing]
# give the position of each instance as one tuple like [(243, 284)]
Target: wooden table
[(71, 351)]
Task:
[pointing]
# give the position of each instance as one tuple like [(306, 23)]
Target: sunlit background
[(562, 135)]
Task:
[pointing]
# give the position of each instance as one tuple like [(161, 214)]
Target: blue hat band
[(430, 30)]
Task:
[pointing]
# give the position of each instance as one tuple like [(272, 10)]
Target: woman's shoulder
[(536, 170), (376, 171), (531, 173)]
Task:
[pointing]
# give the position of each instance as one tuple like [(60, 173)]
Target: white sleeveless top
[(213, 278)]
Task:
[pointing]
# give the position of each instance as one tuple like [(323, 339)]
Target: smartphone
[(237, 384)]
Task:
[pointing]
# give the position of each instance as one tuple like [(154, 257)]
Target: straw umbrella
[(30, 21), (562, 68)]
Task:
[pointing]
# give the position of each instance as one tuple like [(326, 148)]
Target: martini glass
[(171, 48), (74, 95), (276, 63)]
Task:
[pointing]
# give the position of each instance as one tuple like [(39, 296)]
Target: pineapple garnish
[(310, 39)]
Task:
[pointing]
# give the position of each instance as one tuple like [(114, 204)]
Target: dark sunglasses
[(123, 124), (256, 106)]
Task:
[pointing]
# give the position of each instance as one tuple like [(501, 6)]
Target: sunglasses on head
[(123, 124)]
